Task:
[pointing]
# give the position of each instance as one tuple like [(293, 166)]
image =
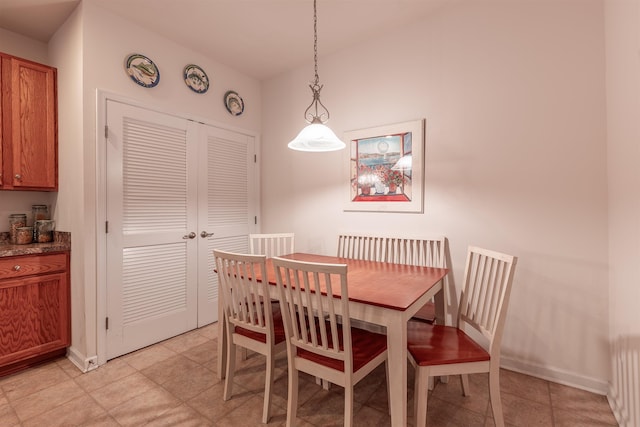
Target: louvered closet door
[(226, 177), (151, 209)]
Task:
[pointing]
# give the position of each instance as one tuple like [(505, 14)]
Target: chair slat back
[(487, 285), (244, 299), (311, 321), (368, 248), (424, 252), (428, 252), (273, 244)]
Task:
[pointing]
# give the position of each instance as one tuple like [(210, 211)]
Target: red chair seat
[(427, 313), (440, 345), (366, 346), (278, 329)]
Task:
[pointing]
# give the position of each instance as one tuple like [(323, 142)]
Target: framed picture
[(386, 168)]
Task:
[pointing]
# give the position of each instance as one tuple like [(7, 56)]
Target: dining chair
[(271, 244), (249, 323), (423, 252), (317, 343), (436, 350)]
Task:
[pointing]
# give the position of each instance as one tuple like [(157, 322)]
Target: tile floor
[(173, 383)]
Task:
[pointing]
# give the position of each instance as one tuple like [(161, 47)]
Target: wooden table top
[(394, 286)]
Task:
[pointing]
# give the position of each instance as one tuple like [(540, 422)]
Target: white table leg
[(222, 343), (397, 359)]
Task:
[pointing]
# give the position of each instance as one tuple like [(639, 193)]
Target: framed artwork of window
[(386, 168)]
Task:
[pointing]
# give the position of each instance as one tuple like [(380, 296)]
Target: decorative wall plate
[(142, 70), (233, 102), (196, 79)]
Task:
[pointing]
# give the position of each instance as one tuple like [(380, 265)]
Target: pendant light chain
[(315, 40), (316, 112)]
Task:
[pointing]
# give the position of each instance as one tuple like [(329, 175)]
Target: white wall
[(623, 136), (91, 48), (514, 101)]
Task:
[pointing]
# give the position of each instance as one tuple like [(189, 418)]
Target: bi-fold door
[(176, 189)]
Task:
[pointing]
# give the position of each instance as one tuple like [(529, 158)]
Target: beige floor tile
[(68, 367), (148, 356), (326, 408), (451, 392), (46, 399), (126, 388), (174, 383), (170, 369), (210, 331), (76, 412), (101, 421), (111, 372), (185, 342), (8, 416), (249, 414), (210, 404), (525, 385), (564, 418), (204, 354), (443, 413), (520, 411), (191, 383), (589, 405), (27, 382), (144, 407), (182, 416)]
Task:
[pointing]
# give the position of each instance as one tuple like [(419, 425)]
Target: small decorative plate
[(234, 103), (196, 78), (142, 70)]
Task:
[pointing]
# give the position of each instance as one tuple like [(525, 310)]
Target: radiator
[(624, 393)]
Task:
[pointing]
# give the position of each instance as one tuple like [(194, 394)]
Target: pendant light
[(316, 136)]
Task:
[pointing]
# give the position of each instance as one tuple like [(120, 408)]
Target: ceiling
[(260, 38)]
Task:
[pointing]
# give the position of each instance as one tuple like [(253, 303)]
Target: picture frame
[(386, 168)]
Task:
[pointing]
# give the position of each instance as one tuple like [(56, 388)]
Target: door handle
[(204, 234), (191, 235)]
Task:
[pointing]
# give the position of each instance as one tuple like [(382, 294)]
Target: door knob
[(204, 234), (191, 235)]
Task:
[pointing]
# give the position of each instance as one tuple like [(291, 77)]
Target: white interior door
[(151, 211), (176, 189), (226, 206)]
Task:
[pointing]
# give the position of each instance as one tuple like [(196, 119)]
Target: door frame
[(102, 97)]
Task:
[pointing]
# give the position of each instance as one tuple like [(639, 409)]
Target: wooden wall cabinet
[(35, 319), (29, 125)]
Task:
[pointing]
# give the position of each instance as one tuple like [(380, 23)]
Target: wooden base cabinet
[(28, 125), (34, 309)]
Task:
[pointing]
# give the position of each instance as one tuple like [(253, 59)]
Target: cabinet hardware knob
[(204, 234), (18, 177), (16, 268), (191, 235)]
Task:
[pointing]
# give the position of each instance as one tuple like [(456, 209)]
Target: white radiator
[(624, 394)]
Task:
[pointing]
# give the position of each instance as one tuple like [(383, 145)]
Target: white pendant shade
[(316, 137)]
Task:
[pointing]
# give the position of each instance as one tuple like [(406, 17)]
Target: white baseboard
[(85, 364), (559, 376)]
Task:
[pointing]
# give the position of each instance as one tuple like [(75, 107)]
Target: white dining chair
[(317, 343), (271, 244), (436, 350), (249, 322), (423, 252)]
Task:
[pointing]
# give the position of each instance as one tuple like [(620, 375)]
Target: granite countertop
[(61, 242)]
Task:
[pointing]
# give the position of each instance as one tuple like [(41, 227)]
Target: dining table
[(383, 294)]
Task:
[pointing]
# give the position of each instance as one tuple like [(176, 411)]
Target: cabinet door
[(30, 140), (34, 317)]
